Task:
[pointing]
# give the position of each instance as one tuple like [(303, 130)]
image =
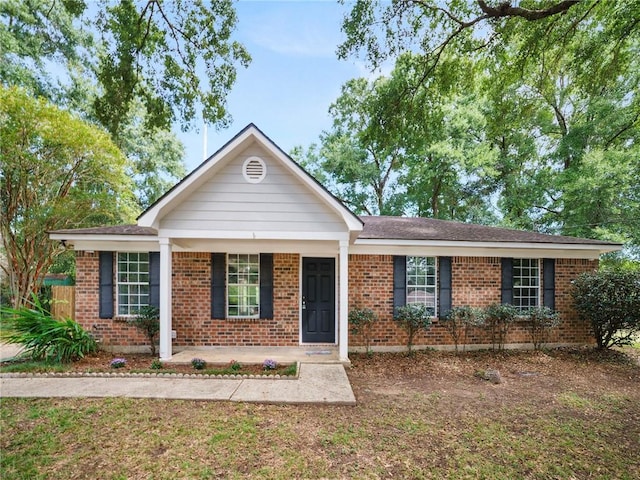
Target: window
[(526, 283), (133, 282), (243, 286), (421, 282)]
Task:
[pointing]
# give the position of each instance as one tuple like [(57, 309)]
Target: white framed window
[(526, 283), (243, 285), (421, 282), (132, 277)]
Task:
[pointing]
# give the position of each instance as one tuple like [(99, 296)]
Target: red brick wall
[(191, 306), (110, 332), (475, 282)]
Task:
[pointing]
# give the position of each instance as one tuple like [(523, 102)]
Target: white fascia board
[(478, 249), (246, 235), (77, 237), (115, 246)]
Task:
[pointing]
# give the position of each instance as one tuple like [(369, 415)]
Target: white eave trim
[(80, 237), (509, 245), (247, 235)]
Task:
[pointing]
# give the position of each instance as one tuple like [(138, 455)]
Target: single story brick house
[(250, 250)]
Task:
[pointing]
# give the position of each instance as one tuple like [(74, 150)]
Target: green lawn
[(554, 416)]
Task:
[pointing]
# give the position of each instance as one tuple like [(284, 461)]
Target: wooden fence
[(63, 301)]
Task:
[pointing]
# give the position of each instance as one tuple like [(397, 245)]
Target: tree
[(610, 301), (363, 152), (177, 57), (555, 84), (56, 172), (133, 67), (427, 160), (472, 27), (155, 157)]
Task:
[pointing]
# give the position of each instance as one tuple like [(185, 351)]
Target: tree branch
[(505, 9)]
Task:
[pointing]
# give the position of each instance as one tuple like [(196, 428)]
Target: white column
[(165, 299), (343, 315)]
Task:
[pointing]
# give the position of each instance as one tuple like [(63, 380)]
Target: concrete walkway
[(317, 383)]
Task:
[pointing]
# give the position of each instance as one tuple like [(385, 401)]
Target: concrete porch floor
[(257, 355)]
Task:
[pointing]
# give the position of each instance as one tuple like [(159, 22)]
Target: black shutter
[(444, 286), (154, 279), (507, 280), (105, 280), (266, 285), (549, 282), (218, 277), (399, 282)]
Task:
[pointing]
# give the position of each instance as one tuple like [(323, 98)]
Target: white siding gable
[(227, 202)]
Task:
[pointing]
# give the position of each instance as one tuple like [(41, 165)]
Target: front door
[(318, 300)]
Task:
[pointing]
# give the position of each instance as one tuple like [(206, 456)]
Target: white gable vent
[(254, 170)]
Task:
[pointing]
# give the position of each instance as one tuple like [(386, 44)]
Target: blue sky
[(293, 78)]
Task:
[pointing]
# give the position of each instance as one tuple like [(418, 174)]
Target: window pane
[(243, 282), (133, 282), (421, 282), (526, 283)]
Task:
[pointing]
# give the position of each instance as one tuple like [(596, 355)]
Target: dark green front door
[(318, 300)]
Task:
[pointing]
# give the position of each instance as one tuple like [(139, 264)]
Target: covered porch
[(282, 334)]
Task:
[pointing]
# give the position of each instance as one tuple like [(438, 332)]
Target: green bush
[(610, 301), (148, 322), (362, 321), (540, 322), (459, 320), (413, 318), (498, 317), (43, 337)]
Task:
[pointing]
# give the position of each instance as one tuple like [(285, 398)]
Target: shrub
[(157, 365), (118, 363), (235, 366), (541, 321), (269, 364), (498, 317), (43, 337), (362, 321), (413, 318), (148, 322), (459, 320), (610, 301), (198, 363)]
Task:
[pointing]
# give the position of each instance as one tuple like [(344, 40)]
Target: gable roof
[(151, 216), (430, 229)]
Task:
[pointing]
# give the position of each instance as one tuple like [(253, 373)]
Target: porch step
[(257, 355)]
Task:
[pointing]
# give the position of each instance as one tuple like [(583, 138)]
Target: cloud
[(303, 30)]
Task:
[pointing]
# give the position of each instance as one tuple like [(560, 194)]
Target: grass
[(29, 366), (574, 420)]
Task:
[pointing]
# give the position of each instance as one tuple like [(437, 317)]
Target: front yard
[(565, 414)]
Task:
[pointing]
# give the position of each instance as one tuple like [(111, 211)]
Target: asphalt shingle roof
[(399, 228), (406, 228)]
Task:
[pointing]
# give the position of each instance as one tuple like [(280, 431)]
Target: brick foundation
[(475, 282)]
